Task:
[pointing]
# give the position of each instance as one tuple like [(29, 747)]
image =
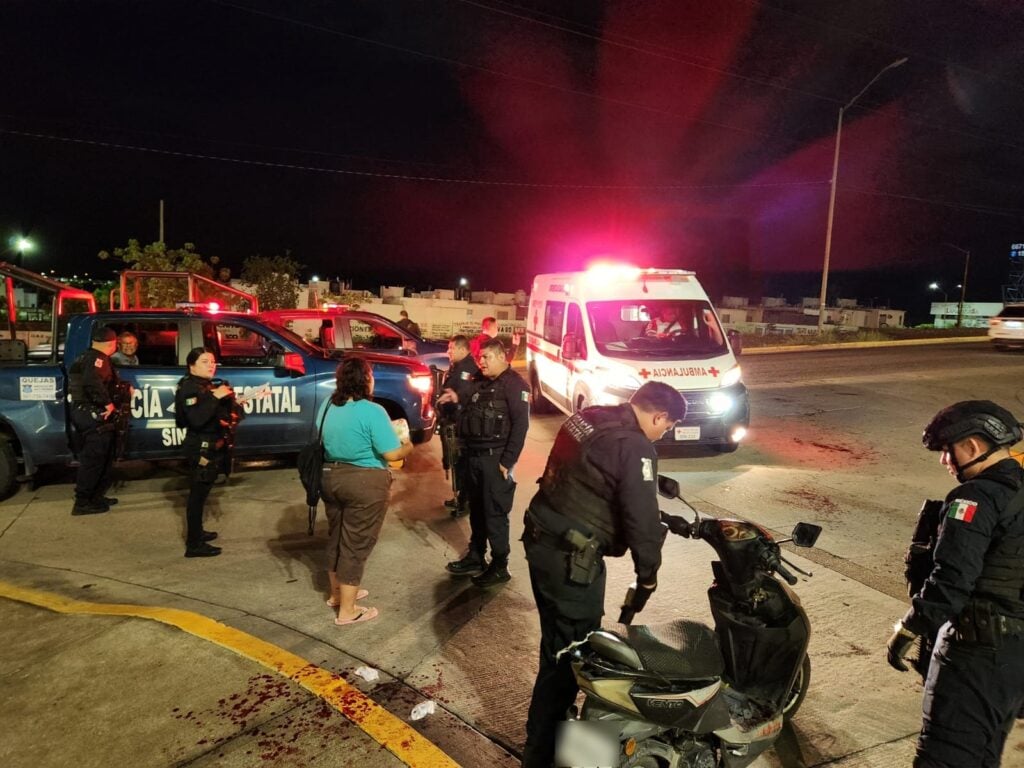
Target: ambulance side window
[(554, 313), (574, 325)]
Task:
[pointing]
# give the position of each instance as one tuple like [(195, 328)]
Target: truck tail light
[(421, 382)]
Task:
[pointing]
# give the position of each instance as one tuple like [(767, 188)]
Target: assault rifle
[(120, 418), (920, 561), (450, 454), (229, 413)]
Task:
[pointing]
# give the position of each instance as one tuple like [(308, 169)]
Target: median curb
[(860, 345)]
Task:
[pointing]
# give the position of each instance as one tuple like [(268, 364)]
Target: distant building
[(975, 314), (774, 315)]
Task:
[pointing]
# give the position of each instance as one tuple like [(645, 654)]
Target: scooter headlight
[(719, 403)]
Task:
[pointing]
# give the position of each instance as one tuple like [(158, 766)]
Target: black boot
[(467, 566), (496, 573), (201, 549), (83, 507)]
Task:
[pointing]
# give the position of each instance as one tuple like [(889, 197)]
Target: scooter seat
[(678, 650)]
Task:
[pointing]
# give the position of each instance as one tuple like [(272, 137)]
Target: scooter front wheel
[(798, 692)]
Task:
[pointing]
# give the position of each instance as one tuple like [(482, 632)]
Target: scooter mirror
[(805, 534), (668, 487)]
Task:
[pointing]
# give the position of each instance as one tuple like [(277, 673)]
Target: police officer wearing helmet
[(93, 387), (598, 497), (974, 596), (493, 422)]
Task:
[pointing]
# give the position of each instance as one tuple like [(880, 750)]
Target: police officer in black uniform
[(207, 407), (974, 597), (93, 387), (598, 496), (459, 377), (493, 425)]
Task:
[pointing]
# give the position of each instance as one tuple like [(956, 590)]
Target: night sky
[(415, 142)]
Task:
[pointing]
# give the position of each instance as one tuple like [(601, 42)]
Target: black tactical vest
[(484, 421), (1002, 577), (83, 366), (573, 486)]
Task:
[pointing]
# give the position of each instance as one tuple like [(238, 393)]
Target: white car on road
[(1007, 328)]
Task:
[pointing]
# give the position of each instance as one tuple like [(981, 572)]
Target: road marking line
[(389, 731)]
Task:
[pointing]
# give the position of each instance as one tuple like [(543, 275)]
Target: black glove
[(898, 647), (677, 524)]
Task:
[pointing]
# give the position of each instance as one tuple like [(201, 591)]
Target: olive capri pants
[(356, 499)]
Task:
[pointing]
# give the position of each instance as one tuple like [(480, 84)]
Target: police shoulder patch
[(191, 400), (647, 468), (524, 396), (98, 362), (464, 375)]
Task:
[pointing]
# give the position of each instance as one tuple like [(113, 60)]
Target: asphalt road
[(834, 439)]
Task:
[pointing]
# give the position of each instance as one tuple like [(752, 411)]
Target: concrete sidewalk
[(120, 690)]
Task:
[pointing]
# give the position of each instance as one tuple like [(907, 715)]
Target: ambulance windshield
[(656, 329)]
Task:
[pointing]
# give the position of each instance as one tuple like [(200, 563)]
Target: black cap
[(103, 333), (971, 417)]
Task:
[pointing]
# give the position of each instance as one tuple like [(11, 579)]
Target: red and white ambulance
[(594, 337)]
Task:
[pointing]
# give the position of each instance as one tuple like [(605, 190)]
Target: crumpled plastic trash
[(369, 674), (422, 709)]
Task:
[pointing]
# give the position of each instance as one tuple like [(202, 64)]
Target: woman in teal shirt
[(359, 441)]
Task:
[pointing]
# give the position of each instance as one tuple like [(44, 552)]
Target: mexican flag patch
[(525, 396), (962, 509)]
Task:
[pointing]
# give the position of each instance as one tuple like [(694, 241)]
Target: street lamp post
[(832, 191), (963, 284)]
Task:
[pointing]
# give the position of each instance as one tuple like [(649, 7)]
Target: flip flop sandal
[(364, 616), (362, 594)]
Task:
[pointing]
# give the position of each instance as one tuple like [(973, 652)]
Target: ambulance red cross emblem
[(644, 373), (713, 371)]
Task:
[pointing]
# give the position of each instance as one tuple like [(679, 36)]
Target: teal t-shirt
[(358, 432)]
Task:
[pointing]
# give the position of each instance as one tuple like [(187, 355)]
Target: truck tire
[(8, 468)]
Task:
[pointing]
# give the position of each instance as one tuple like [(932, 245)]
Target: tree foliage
[(274, 279), (157, 257)]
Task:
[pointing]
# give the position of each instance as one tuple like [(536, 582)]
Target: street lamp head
[(463, 282), (934, 286), (23, 245)]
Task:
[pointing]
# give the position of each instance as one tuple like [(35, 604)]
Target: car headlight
[(719, 403), (731, 377)]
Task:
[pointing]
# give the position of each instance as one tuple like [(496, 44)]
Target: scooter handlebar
[(784, 572)]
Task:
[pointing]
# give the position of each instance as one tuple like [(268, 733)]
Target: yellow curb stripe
[(387, 730)]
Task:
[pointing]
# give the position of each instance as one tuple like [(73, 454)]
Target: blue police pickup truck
[(293, 377)]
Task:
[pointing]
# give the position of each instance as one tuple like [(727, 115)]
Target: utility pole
[(963, 284), (832, 192), (161, 220)]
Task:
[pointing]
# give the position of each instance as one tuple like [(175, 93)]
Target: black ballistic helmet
[(971, 417)]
